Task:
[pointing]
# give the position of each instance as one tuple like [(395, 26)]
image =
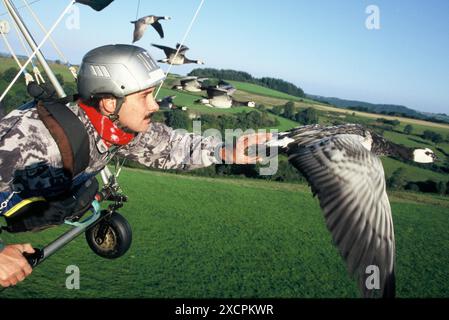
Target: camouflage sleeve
[(163, 147), (10, 151)]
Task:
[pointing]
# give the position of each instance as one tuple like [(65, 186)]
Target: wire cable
[(181, 44), (37, 49)]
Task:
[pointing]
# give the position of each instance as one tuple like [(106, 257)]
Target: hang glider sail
[(97, 5)]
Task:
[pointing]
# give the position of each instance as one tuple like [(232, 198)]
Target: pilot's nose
[(153, 106)]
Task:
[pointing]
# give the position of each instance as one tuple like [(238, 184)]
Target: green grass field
[(412, 173), (263, 91), (231, 238), (6, 63)]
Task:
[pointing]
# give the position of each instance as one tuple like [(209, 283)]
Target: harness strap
[(69, 133)]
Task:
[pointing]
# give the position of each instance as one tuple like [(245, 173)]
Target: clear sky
[(323, 46)]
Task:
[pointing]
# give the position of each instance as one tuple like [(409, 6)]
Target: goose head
[(424, 155)]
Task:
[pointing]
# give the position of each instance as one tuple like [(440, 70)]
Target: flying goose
[(341, 165), (219, 98), (191, 84), (166, 102), (140, 26), (227, 86), (179, 59)]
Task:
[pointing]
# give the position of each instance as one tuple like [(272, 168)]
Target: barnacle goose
[(178, 59), (342, 166), (140, 26)]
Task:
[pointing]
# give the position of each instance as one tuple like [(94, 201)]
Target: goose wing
[(350, 184), (158, 27), (183, 48), (216, 92), (186, 80), (139, 29), (167, 50)]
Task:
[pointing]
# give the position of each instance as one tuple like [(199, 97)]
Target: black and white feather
[(141, 25), (219, 97), (173, 58), (341, 165)]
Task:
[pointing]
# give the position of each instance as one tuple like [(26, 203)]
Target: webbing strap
[(71, 133)]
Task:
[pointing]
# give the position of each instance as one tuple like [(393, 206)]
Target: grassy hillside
[(263, 91), (412, 173), (201, 237), (327, 115), (6, 63)]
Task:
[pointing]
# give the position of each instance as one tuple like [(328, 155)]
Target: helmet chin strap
[(114, 117)]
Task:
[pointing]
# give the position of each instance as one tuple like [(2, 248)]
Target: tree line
[(18, 94), (288, 111), (228, 74)]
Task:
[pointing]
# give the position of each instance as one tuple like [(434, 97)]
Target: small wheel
[(111, 237)]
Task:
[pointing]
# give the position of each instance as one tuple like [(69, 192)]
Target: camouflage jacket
[(30, 162)]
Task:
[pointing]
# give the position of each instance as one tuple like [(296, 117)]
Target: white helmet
[(117, 70)]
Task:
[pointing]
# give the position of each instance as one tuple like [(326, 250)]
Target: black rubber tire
[(117, 239)]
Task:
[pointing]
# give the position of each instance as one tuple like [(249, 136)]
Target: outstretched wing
[(350, 184), (183, 48), (167, 50), (216, 92), (156, 25), (139, 29)]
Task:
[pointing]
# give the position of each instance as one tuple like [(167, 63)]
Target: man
[(116, 84)]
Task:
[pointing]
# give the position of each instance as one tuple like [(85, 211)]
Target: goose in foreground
[(171, 56), (219, 98), (341, 165), (191, 84), (140, 26), (166, 102)]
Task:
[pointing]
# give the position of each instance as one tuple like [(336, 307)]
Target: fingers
[(26, 247), (27, 269), (5, 283), (20, 276)]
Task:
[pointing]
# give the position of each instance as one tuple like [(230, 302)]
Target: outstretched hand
[(13, 265), (238, 155)]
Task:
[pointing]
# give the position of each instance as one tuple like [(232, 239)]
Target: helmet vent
[(146, 60), (100, 71)]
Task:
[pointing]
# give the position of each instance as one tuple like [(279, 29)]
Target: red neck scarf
[(108, 131)]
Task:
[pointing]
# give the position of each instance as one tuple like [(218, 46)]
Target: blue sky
[(323, 46)]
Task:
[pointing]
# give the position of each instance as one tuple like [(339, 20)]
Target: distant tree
[(408, 129), (397, 180), (9, 74), (60, 79), (70, 88), (2, 111), (289, 110), (433, 136), (177, 119), (307, 116), (412, 187), (441, 188), (389, 122), (277, 110), (261, 107), (272, 83)]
